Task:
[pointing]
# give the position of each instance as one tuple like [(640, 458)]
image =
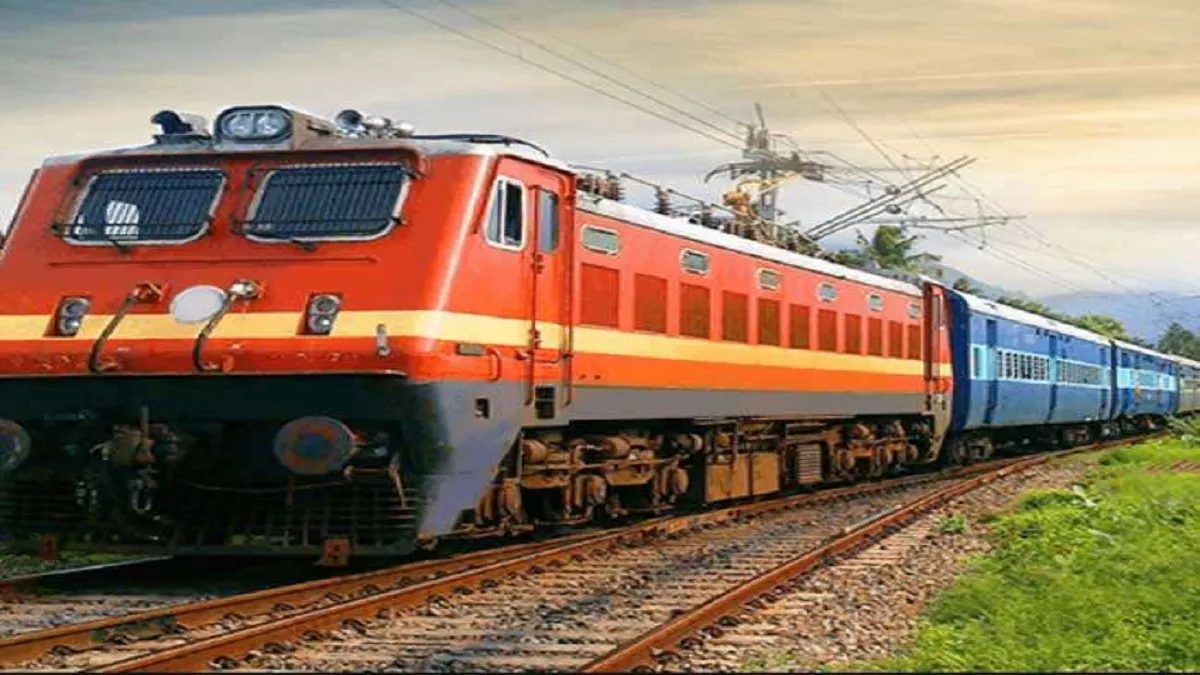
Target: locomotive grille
[(371, 516), (146, 206), (328, 201)]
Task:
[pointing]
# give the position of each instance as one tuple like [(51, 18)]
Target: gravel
[(867, 607)]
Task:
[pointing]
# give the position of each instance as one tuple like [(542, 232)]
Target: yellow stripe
[(592, 340), (455, 327)]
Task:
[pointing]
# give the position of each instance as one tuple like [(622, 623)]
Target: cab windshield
[(146, 206), (341, 201)]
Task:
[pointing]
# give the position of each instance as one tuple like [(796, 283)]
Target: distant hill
[(1140, 314)]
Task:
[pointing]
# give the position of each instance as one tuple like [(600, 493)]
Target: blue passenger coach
[(1016, 369), (1147, 384), (1188, 400)]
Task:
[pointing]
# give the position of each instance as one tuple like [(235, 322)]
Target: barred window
[(853, 334), (695, 308), (800, 331), (735, 317), (331, 201), (768, 322), (129, 207)]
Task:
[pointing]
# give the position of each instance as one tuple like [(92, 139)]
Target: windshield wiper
[(302, 243), (248, 230)]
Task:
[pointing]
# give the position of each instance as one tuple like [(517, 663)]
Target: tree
[(1031, 306), (1180, 341), (964, 285), (890, 248), (1104, 325)]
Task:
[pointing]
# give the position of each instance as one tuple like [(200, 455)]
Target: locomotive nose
[(314, 446), (15, 446)]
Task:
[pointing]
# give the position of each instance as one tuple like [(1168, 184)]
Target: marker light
[(70, 315), (262, 125), (322, 310)]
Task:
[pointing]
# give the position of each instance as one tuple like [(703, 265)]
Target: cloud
[(1081, 112)]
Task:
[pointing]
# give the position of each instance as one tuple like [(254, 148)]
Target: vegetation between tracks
[(13, 564), (1100, 577)]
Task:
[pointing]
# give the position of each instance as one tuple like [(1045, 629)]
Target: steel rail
[(173, 619), (222, 651), (657, 646)]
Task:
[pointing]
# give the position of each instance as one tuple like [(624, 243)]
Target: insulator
[(614, 189), (662, 202)]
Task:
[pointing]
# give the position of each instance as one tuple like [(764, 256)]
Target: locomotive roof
[(427, 147), (681, 228), (985, 306)]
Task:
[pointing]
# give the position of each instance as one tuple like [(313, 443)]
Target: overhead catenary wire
[(725, 137), (654, 83), (599, 73), (398, 6)]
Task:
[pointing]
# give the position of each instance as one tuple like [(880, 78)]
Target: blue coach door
[(1106, 392), (994, 373), (1053, 356)]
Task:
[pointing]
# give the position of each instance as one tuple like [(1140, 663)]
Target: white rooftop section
[(1141, 350), (1184, 361), (427, 147), (1002, 311), (681, 228)]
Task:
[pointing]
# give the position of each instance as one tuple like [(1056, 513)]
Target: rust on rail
[(648, 651), (226, 649)]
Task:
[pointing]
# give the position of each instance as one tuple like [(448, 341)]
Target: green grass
[(1104, 578), (20, 564)]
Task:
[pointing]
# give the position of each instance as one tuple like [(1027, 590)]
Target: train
[(286, 335)]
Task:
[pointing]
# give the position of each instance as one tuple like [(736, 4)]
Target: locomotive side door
[(937, 384), (549, 258)]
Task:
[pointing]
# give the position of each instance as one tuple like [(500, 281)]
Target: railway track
[(608, 600), (95, 594)]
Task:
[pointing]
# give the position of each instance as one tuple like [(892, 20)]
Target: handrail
[(242, 289), (143, 292)]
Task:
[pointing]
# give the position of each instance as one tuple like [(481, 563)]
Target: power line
[(970, 188), (542, 46), (517, 55), (599, 57)]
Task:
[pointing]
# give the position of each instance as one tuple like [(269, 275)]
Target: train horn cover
[(314, 446)]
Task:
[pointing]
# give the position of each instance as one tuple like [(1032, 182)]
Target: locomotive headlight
[(262, 125), (70, 316), (14, 446), (322, 310)]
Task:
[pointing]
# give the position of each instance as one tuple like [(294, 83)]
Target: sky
[(1082, 114)]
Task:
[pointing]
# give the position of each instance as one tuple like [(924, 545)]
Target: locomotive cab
[(256, 336)]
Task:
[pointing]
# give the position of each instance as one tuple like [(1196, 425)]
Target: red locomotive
[(288, 331)]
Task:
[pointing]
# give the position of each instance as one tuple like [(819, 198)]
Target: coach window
[(875, 302), (827, 293), (547, 221), (601, 240), (769, 280), (694, 262), (506, 220)]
